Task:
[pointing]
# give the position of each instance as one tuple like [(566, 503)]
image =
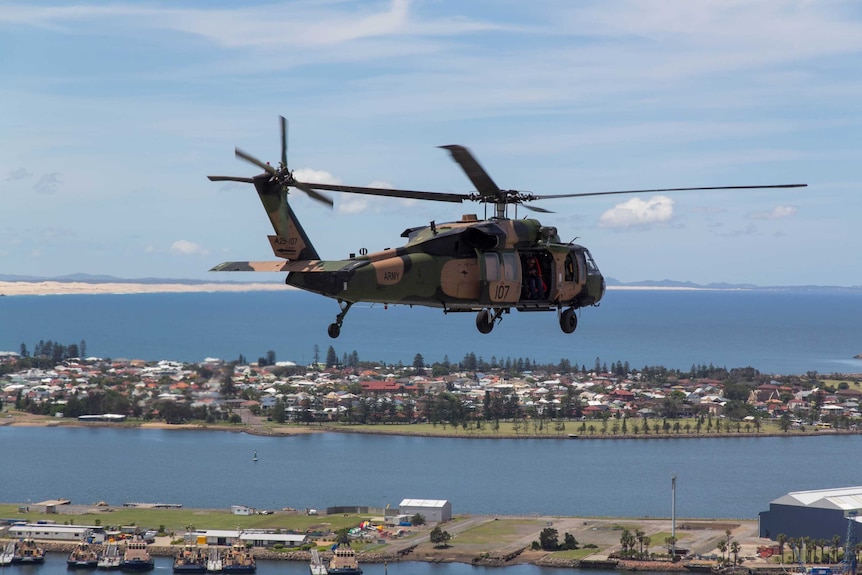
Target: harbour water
[(55, 564), (717, 477), (775, 331)]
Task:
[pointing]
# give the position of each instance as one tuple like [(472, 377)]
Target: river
[(717, 477)]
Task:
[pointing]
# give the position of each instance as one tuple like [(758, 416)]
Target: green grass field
[(179, 520), (584, 429)]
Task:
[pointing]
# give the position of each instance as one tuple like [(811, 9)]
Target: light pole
[(672, 516)]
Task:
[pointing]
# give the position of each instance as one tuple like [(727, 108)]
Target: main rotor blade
[(249, 158), (283, 141), (230, 179), (657, 190), (393, 193), (477, 174), (537, 209), (313, 194)]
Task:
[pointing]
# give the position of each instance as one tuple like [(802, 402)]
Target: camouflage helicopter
[(485, 266)]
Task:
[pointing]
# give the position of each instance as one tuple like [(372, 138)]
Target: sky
[(112, 114)]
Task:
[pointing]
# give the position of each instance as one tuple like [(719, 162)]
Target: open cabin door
[(500, 274)]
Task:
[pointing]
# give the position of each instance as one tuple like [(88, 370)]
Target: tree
[(418, 361), (734, 548), (781, 539), (342, 536), (278, 413), (331, 357), (439, 537), (549, 539), (228, 389), (418, 519)]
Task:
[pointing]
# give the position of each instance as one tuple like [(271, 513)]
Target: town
[(500, 397)]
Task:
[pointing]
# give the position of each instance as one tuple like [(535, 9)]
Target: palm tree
[(734, 548), (627, 541), (836, 543), (722, 546)]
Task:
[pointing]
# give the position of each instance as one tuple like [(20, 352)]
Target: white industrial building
[(254, 538), (433, 510), (819, 513), (54, 532)]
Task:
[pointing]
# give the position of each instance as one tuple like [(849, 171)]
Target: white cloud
[(311, 176), (19, 174), (354, 205), (187, 248), (47, 184), (637, 212), (777, 213)]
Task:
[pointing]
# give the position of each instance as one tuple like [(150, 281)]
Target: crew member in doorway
[(535, 284)]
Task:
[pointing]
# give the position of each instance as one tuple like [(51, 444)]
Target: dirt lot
[(508, 539)]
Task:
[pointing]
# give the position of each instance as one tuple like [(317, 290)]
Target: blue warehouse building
[(819, 514)]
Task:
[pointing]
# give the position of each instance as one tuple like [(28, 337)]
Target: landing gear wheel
[(334, 329), (484, 322), (568, 321)]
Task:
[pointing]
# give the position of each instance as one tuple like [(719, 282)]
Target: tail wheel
[(484, 321), (568, 321)]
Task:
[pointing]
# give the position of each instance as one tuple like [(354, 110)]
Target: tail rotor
[(282, 174)]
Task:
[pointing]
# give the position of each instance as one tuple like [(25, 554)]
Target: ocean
[(789, 331)]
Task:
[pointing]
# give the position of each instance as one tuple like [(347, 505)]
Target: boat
[(317, 567), (190, 559), (136, 556), (343, 562), (214, 562), (28, 552), (83, 556), (238, 559), (7, 553), (110, 557)]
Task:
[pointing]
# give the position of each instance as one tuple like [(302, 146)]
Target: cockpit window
[(592, 268)]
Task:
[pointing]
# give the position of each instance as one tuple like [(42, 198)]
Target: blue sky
[(114, 113)]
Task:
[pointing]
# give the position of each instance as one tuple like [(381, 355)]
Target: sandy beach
[(67, 288)]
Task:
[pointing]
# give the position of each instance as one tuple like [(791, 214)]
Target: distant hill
[(611, 282)]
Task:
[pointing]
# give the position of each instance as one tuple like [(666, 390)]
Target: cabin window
[(510, 267), (492, 268)]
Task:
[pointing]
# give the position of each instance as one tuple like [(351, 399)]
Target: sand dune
[(64, 288)]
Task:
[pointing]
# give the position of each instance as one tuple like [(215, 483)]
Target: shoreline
[(500, 541), (27, 420)]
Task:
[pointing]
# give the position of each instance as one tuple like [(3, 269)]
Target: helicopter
[(488, 266)]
